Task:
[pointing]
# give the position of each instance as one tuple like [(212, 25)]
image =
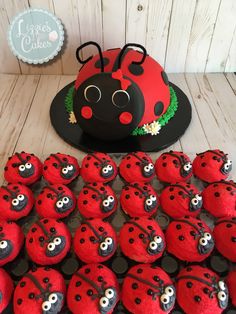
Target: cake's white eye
[(104, 302), (59, 204), (57, 241), (20, 197), (103, 246), (22, 168), (198, 197), (169, 291), (153, 245), (165, 299), (105, 170), (120, 98), (151, 166), (65, 170), (53, 298), (194, 201), (203, 241), (153, 198), (221, 285), (146, 169), (149, 202), (46, 306), (92, 93), (158, 239), (187, 166), (51, 247), (221, 296), (3, 244), (15, 202), (65, 200), (108, 241), (105, 203), (110, 198), (109, 167), (28, 165), (70, 167), (109, 293), (207, 236)]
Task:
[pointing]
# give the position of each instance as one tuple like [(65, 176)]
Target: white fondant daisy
[(152, 128)]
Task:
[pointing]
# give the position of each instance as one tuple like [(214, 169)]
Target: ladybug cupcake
[(231, 283), (60, 169), (181, 199), (189, 239), (95, 241), (6, 289), (24, 168), (40, 292), (48, 241), (143, 196), (137, 167), (225, 237), (142, 240), (148, 290), (16, 201), (173, 166), (93, 289), (11, 241), (97, 200), (98, 167), (200, 291), (55, 201), (219, 198), (212, 165)]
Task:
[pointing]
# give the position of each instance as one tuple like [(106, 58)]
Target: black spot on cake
[(98, 63), (158, 108), (136, 69), (165, 77)]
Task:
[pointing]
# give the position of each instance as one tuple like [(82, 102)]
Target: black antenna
[(133, 45), (89, 58)]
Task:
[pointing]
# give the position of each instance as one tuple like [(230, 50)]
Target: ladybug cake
[(181, 199), (139, 199), (231, 283), (201, 291), (24, 168), (212, 165), (95, 241), (142, 240), (11, 241), (42, 291), (219, 198), (173, 166), (137, 167), (121, 100), (93, 289), (48, 241), (16, 201), (147, 289), (98, 167), (189, 239), (97, 200), (60, 169), (6, 289), (225, 237), (55, 201)]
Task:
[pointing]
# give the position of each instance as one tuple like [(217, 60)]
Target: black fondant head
[(68, 171), (108, 204), (6, 248), (156, 245), (205, 243), (108, 300), (150, 203), (226, 167), (19, 202), (222, 295), (109, 105), (185, 169), (55, 246), (195, 202), (64, 204), (53, 304), (26, 170), (167, 299), (106, 247)]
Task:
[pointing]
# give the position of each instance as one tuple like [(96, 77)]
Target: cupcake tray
[(118, 263)]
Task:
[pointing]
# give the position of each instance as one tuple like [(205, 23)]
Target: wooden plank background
[(183, 35)]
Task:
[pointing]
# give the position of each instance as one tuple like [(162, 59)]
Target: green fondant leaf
[(69, 99)]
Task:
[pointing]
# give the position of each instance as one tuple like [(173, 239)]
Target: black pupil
[(92, 94), (120, 99)]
